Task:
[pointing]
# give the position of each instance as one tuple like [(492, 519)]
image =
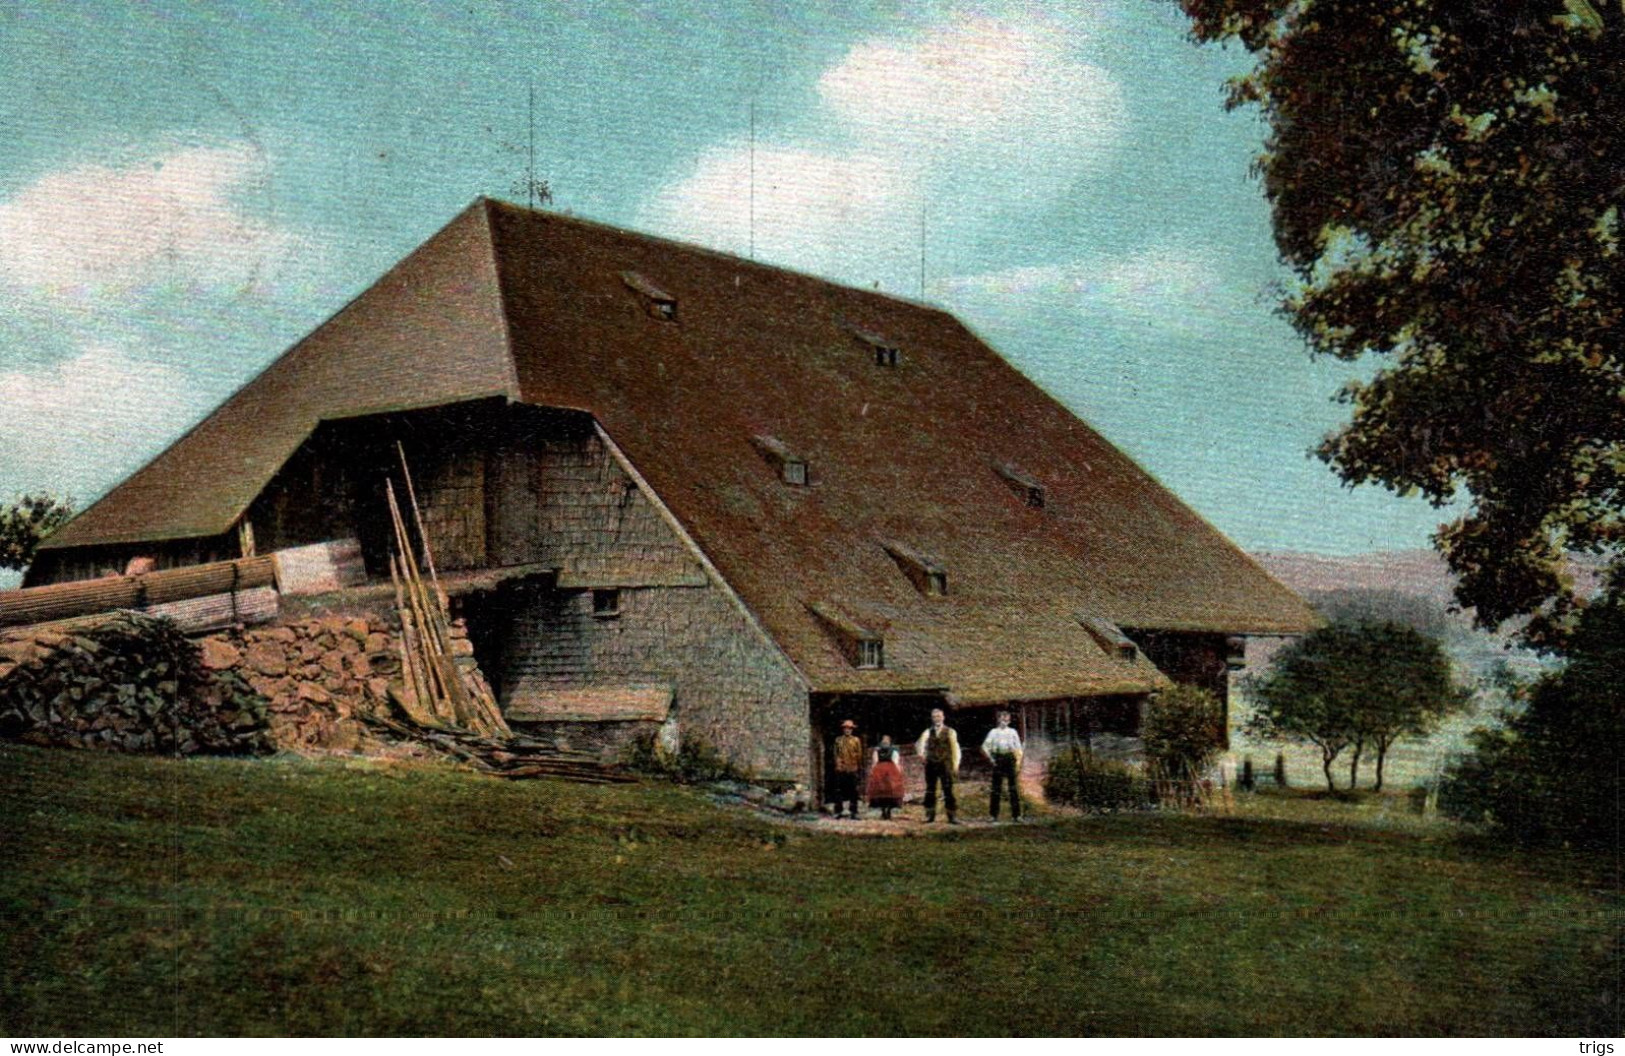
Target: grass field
[(155, 897)]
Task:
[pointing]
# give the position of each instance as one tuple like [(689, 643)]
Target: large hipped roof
[(927, 454)]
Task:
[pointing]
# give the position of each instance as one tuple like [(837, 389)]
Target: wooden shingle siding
[(66, 566), (564, 502), (730, 688), (451, 496)]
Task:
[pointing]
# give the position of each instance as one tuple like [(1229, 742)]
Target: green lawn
[(154, 897)]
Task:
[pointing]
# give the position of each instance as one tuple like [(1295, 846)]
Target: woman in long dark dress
[(885, 779)]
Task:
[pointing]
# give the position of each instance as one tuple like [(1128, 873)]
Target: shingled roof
[(536, 307)]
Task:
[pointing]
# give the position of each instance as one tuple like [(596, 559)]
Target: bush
[(1549, 773), (1183, 730), (1078, 779), (694, 763)]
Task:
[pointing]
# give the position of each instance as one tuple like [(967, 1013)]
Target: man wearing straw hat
[(848, 755)]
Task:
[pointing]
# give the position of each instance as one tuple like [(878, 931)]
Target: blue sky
[(187, 189)]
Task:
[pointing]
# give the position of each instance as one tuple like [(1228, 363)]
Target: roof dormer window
[(792, 467), (865, 648), (1111, 639), (1026, 487), (656, 301), (884, 351), (926, 573)]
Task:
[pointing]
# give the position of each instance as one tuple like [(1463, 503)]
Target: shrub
[(1183, 730), (1078, 779), (1549, 773), (694, 763), (25, 523)]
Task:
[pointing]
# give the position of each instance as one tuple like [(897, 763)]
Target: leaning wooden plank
[(417, 517), (414, 687), (437, 696)]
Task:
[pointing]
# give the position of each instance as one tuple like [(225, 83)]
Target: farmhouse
[(668, 485)]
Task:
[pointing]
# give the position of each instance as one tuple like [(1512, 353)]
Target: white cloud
[(173, 224), (1177, 289), (1006, 97), (77, 425), (131, 296), (815, 211), (984, 118)]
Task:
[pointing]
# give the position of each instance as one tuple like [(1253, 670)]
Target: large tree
[(1446, 180)]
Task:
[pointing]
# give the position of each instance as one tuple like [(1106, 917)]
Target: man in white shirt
[(1002, 747)]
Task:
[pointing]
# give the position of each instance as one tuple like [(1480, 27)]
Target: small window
[(1026, 488), (1235, 653), (606, 603), (864, 646), (926, 573), (656, 301), (885, 352), (792, 467), (1110, 638)]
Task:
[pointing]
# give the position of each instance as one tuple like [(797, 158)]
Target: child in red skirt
[(885, 780)]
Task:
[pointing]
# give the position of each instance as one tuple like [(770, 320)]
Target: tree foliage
[(1352, 686), (25, 523), (1550, 771), (1183, 730), (1446, 180)]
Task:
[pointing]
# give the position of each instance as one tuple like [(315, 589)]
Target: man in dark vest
[(939, 747), (848, 758)]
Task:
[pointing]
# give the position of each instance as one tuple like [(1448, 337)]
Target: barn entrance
[(901, 716)]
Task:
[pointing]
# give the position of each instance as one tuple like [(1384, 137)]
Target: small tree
[(1411, 689), (1184, 730), (1350, 685), (24, 525), (1300, 700)]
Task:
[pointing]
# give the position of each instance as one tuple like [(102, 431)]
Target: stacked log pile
[(135, 683), (61, 601), (131, 683)]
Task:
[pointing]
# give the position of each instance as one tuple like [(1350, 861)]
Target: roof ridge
[(553, 215)]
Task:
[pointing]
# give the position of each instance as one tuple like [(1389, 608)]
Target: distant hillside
[(1421, 573), (1413, 587)]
